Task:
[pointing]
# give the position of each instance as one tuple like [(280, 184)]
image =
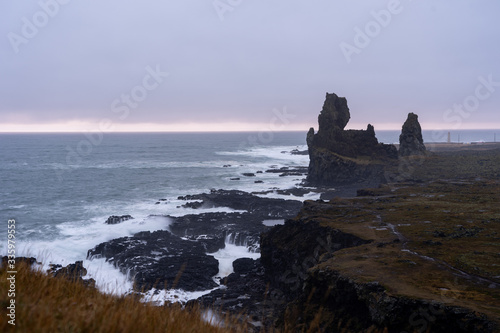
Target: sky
[(203, 65)]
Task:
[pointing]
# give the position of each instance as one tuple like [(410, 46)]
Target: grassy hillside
[(46, 304)]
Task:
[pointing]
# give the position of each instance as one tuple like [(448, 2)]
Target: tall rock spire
[(410, 140)]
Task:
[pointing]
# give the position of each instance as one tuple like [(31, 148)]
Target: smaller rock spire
[(410, 140)]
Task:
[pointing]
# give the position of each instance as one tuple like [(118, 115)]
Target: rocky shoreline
[(347, 263), (179, 257), (399, 241)]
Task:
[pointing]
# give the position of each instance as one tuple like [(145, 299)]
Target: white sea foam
[(228, 255), (108, 278), (76, 238), (161, 296), (275, 195), (271, 152)]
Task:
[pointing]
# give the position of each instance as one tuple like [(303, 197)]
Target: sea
[(60, 188)]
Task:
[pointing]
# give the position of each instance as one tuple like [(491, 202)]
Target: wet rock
[(193, 205), (162, 260), (247, 291), (243, 265), (237, 228), (299, 152), (288, 171), (241, 229), (27, 260), (72, 272), (410, 140), (240, 200), (119, 219), (296, 191)]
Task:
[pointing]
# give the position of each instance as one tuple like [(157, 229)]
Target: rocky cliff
[(349, 265), (338, 156)]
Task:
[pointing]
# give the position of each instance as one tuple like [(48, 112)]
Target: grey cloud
[(263, 55)]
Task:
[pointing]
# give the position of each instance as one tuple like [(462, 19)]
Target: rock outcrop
[(113, 219), (410, 140), (300, 263), (373, 263), (338, 156), (72, 272), (247, 290), (162, 260), (178, 257)]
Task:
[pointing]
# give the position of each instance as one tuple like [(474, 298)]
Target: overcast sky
[(241, 64)]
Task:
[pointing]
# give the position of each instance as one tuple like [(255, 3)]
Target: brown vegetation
[(47, 304)]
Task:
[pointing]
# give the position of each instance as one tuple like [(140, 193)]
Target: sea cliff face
[(418, 255), (325, 288), (338, 156)]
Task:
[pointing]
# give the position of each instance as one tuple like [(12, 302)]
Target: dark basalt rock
[(241, 229), (289, 250), (263, 292), (338, 156), (309, 293), (239, 200), (299, 152), (236, 228), (162, 260), (247, 290), (366, 305), (287, 171), (72, 272), (180, 255), (410, 140), (118, 219), (27, 260)]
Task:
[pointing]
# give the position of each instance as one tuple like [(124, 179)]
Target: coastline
[(247, 287)]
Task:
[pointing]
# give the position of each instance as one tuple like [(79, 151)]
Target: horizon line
[(88, 127), (228, 131)]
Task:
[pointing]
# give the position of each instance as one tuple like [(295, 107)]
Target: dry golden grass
[(47, 304)]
